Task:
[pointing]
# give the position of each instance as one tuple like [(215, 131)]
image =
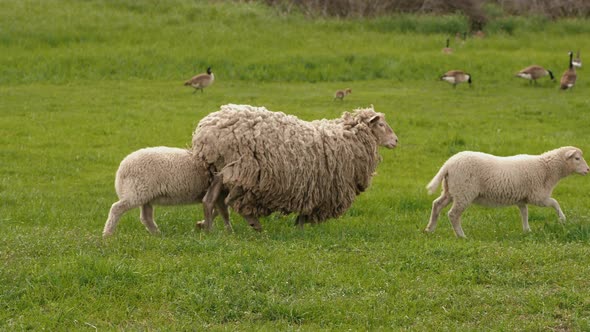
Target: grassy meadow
[(84, 83)]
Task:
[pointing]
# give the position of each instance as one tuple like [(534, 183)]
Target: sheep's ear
[(374, 119), (570, 154)]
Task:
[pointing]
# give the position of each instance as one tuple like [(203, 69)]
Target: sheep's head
[(576, 162), (382, 131)]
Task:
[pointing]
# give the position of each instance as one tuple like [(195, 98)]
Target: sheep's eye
[(577, 158)]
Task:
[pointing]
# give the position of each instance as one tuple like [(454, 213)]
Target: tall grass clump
[(425, 24)]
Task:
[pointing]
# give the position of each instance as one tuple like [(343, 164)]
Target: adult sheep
[(159, 176), (475, 177), (272, 162)]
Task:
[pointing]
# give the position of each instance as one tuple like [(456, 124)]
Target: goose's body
[(534, 72), (568, 79), (455, 77), (201, 81)]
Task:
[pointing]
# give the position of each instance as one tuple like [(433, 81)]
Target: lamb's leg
[(147, 218), (210, 200), (524, 214), (117, 210), (553, 203), (437, 206), (455, 218), (253, 221)]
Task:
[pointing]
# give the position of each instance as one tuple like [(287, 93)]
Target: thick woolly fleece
[(161, 176), (498, 181), (272, 162)]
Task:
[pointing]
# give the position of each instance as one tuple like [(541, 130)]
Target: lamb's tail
[(436, 181)]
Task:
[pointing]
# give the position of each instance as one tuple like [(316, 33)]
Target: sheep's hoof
[(200, 225), (155, 232)]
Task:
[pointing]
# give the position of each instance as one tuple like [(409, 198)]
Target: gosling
[(341, 93)]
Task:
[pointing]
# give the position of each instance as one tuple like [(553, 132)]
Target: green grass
[(82, 84)]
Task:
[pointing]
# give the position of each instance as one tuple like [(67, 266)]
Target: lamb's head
[(575, 162), (382, 131)]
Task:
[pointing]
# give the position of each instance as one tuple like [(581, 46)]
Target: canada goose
[(568, 79), (455, 77), (533, 73), (447, 50), (201, 81), (577, 61), (464, 38), (341, 93)]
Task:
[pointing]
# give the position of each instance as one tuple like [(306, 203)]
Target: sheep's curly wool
[(273, 162)]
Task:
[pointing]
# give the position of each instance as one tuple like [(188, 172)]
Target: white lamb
[(159, 176), (475, 177)]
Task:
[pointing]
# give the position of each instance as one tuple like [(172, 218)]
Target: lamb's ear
[(374, 119), (570, 154)]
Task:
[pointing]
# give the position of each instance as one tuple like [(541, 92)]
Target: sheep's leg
[(455, 218), (553, 203), (253, 221), (117, 210), (210, 200), (146, 215), (222, 208), (201, 223), (524, 214), (437, 206), (300, 221)]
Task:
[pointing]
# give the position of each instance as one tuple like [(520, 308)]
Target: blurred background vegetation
[(60, 41)]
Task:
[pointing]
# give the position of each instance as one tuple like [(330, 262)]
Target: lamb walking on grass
[(272, 162), (159, 176), (475, 177)]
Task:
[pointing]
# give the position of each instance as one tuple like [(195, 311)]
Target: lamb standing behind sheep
[(475, 177), (159, 176), (271, 162)]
